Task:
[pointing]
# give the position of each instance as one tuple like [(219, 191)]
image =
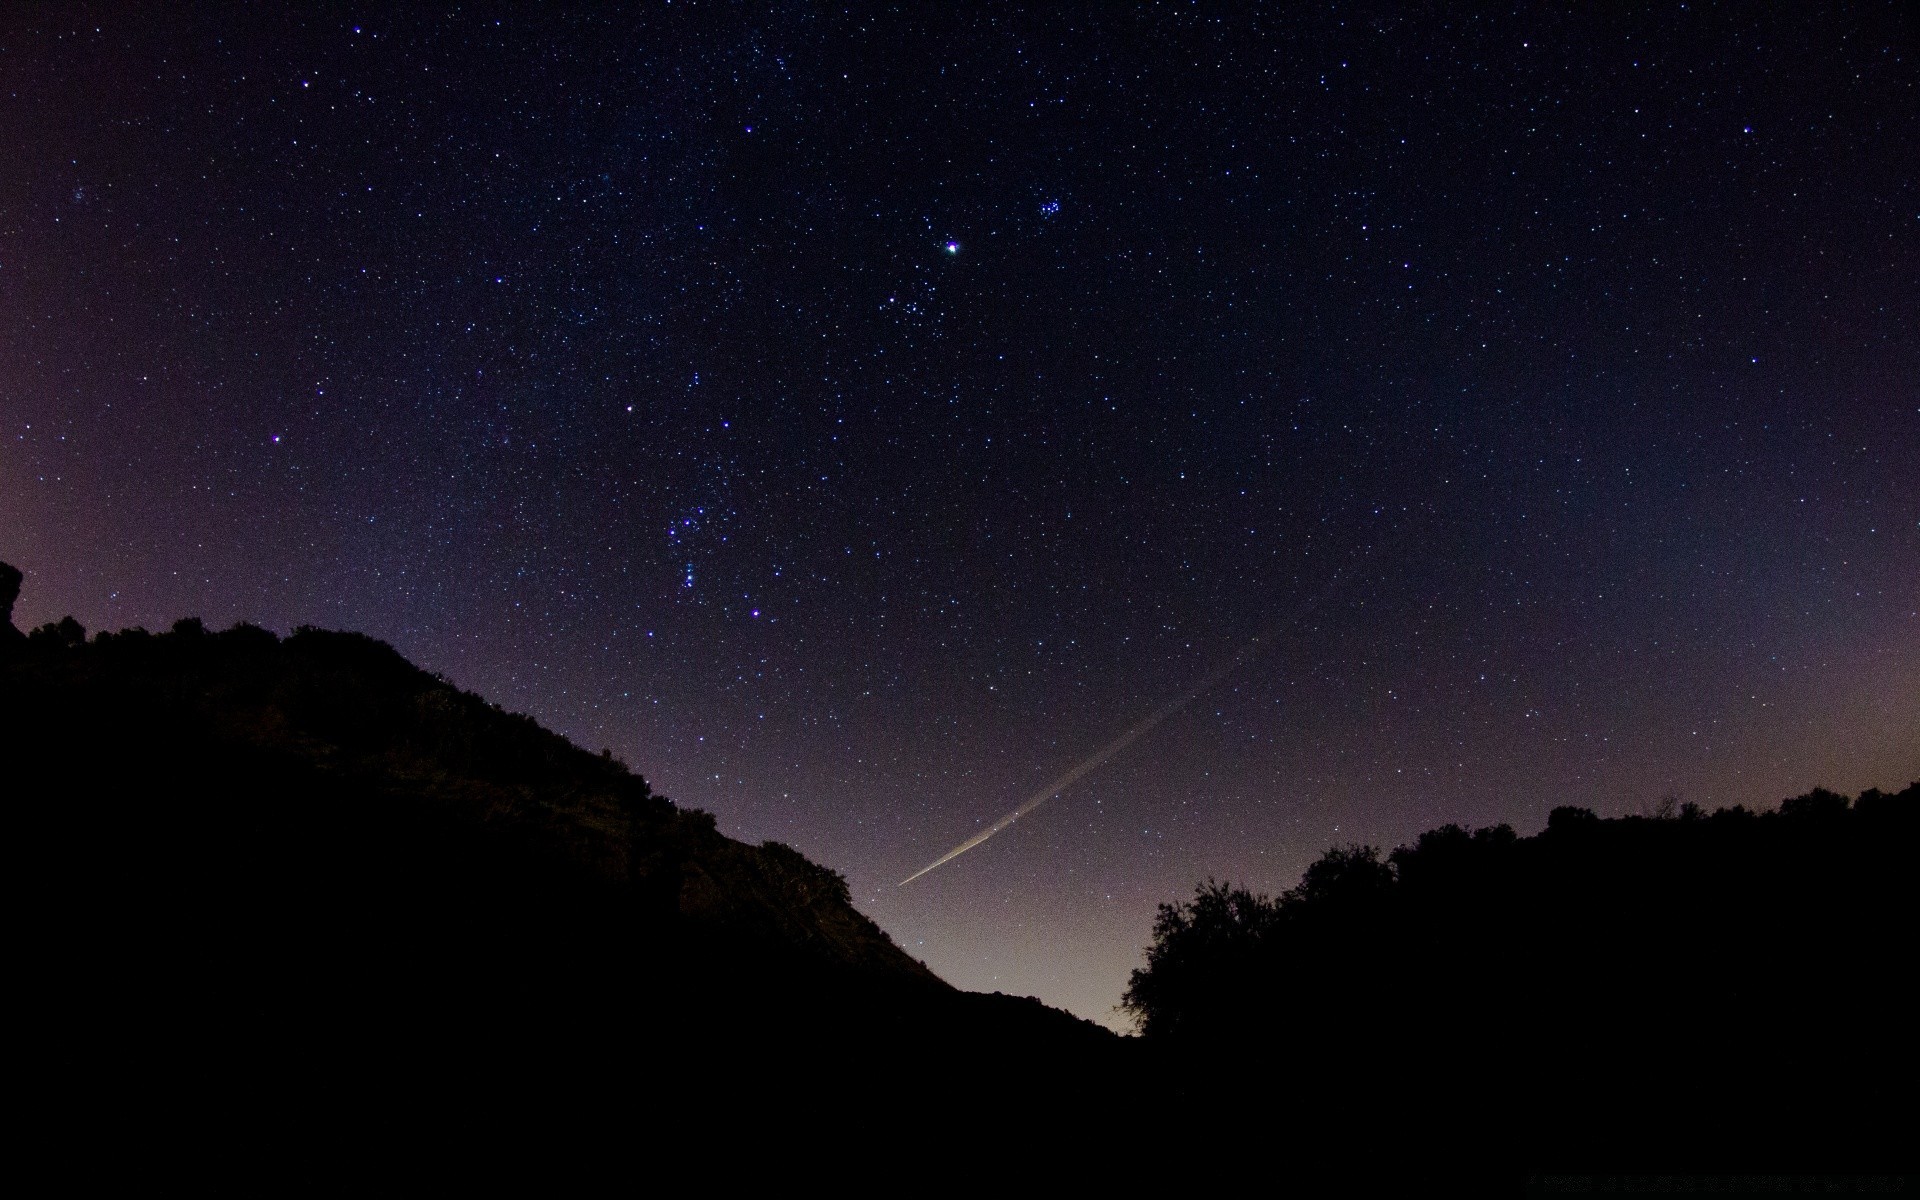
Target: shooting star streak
[(1138, 731)]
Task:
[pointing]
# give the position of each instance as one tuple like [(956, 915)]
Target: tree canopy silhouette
[(1747, 967)]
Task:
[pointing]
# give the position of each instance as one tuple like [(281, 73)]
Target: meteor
[(1096, 758), (1139, 730)]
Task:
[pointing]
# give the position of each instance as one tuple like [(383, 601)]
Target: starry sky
[(855, 417)]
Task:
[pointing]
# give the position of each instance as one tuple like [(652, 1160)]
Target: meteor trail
[(1118, 744), (1095, 759)]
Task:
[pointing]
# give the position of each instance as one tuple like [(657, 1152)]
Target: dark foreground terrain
[(294, 911), (1678, 992), (291, 913)]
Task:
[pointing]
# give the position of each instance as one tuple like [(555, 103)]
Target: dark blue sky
[(853, 419)]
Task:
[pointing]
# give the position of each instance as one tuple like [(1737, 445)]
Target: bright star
[(953, 247)]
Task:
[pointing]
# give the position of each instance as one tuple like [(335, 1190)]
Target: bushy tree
[(1202, 952)]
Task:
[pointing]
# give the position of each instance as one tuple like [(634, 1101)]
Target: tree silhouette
[(1739, 965)]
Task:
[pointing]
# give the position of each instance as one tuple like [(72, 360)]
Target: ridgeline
[(294, 913), (298, 912)]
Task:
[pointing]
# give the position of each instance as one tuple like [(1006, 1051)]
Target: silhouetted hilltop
[(1688, 990), (344, 709), (300, 897)]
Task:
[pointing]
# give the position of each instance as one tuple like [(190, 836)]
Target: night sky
[(854, 419)]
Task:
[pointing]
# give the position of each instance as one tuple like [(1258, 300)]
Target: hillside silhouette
[(1679, 991), (292, 912), (296, 911)]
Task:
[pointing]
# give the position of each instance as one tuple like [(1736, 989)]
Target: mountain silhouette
[(295, 911)]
